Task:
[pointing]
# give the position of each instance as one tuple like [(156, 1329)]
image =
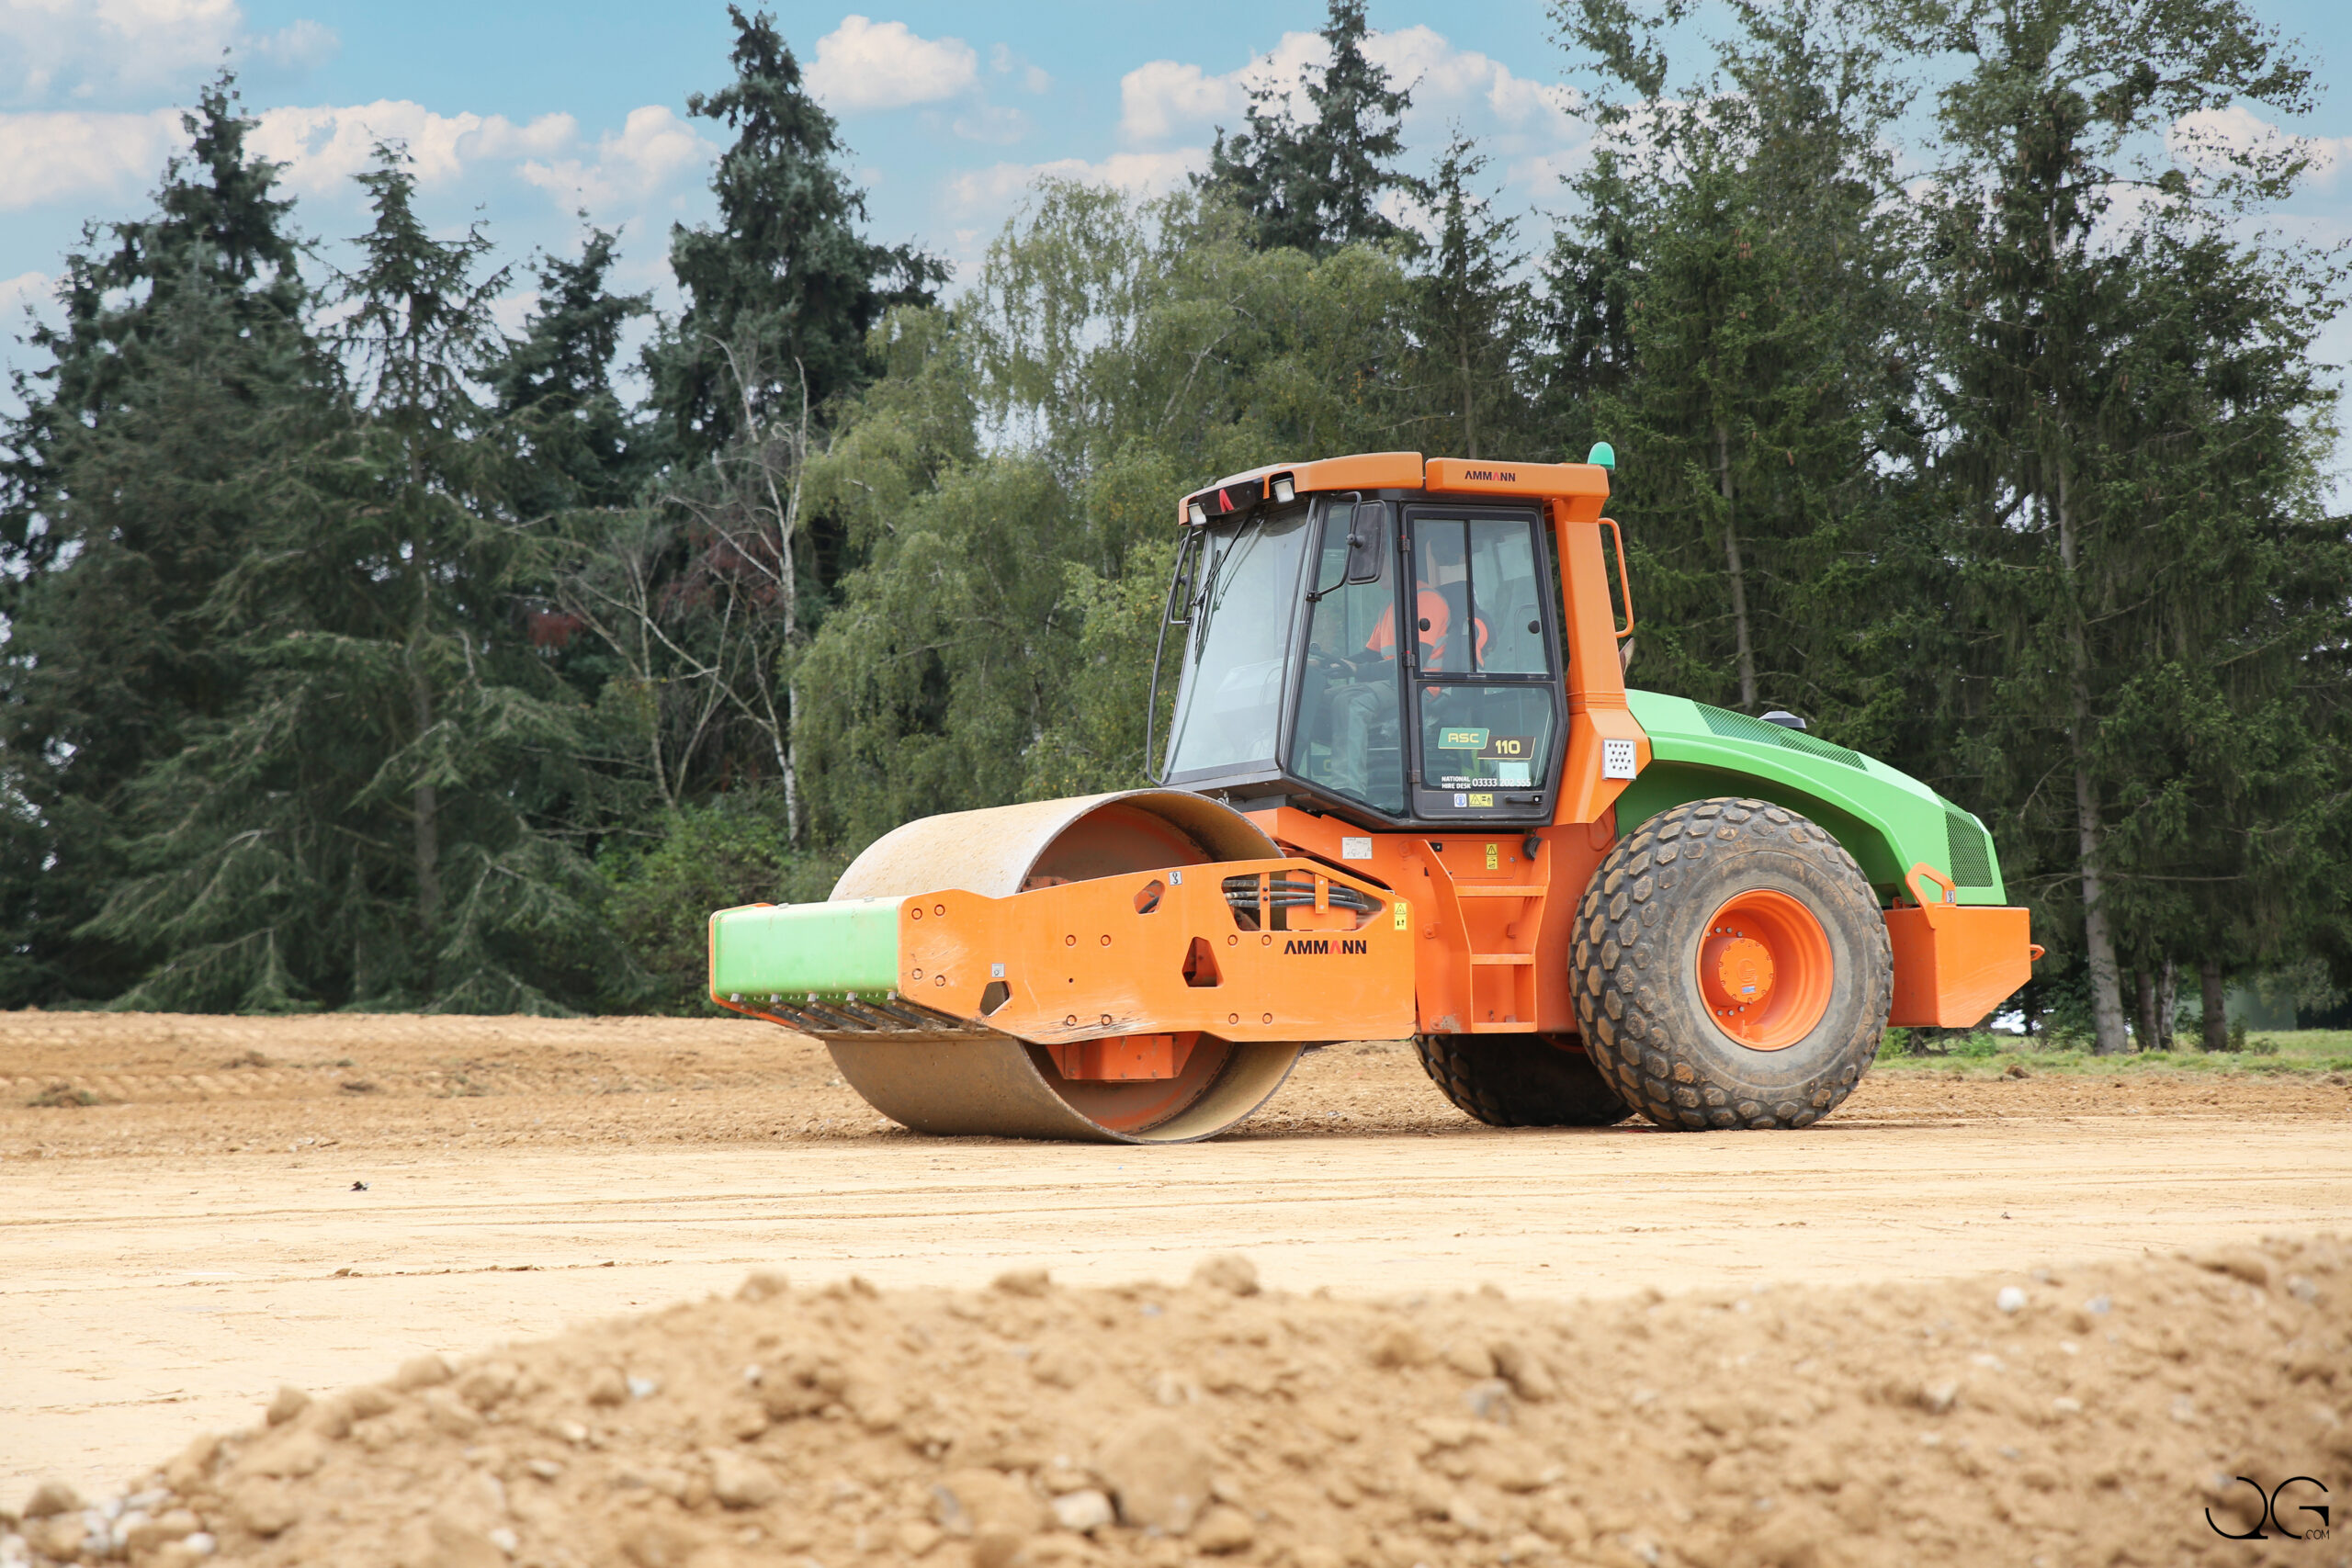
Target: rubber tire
[(1636, 984), (1520, 1080)]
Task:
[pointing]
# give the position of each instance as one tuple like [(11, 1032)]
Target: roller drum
[(992, 1084)]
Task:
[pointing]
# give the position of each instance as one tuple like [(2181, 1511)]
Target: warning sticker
[(1352, 848)]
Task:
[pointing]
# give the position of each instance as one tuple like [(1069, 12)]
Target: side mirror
[(1367, 541)]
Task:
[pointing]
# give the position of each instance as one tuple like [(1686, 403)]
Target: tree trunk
[(2110, 1036), (2167, 1003), (1469, 418), (2144, 988), (2216, 1018), (1746, 651), (425, 806), (789, 590)]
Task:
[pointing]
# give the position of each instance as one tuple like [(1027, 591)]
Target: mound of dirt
[(2086, 1416)]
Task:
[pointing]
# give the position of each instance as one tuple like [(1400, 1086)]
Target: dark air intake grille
[(1739, 726), (1967, 853)]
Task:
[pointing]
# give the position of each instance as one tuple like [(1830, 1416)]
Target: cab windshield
[(1245, 601)]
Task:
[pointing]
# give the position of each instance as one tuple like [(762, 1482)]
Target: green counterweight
[(794, 950)]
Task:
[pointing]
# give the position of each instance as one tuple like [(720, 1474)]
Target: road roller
[(1404, 790)]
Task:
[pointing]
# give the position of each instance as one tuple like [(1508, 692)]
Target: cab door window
[(1479, 596), (1349, 737)]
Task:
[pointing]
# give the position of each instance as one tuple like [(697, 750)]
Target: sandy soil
[(171, 1253), (2090, 1417)]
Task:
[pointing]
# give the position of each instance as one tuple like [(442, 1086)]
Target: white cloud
[(1138, 173), (26, 289), (1447, 80), (50, 156), (325, 146), (299, 47), (865, 64), (1004, 62), (650, 148), (98, 51), (2193, 139), (1168, 98), (989, 122)]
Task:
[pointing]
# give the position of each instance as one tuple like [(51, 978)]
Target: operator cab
[(1387, 657)]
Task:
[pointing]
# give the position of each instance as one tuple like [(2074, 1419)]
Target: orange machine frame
[(1158, 953)]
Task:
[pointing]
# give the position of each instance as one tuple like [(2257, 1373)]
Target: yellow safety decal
[(1404, 913), (1494, 857), (1482, 800)]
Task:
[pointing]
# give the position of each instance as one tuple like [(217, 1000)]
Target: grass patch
[(2266, 1052), (60, 1095)]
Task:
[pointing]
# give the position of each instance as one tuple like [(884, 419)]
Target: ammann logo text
[(1500, 476), (1323, 944)]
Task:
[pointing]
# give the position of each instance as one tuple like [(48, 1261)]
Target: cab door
[(1485, 713)]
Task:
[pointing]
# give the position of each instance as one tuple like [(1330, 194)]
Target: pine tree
[(148, 454), (1727, 319), (377, 822), (2081, 483), (782, 291), (553, 387), (1471, 314), (1317, 184)]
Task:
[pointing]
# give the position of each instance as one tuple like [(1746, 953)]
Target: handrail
[(1625, 588)]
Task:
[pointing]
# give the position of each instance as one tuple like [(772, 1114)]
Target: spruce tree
[(553, 387), (2089, 361), (1728, 317), (377, 822), (148, 454), (1316, 184), (1471, 315), (780, 292)]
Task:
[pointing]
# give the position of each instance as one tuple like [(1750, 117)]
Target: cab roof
[(1572, 482)]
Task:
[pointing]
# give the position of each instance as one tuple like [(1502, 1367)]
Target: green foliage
[(1741, 341), (1471, 316), (2128, 443), (782, 291), (359, 656), (662, 890), (553, 387), (1316, 185), (997, 642), (367, 824), (182, 382)]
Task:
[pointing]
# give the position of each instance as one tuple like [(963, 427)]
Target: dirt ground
[(200, 1209)]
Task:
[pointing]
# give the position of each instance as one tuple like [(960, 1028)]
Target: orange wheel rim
[(1765, 969)]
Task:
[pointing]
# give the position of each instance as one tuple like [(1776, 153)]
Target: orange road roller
[(1404, 790)]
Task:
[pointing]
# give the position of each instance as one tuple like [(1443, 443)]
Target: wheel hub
[(1765, 969), (1737, 971)]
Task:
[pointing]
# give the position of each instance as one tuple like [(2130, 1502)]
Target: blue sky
[(520, 114)]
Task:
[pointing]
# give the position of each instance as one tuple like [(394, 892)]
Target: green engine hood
[(1888, 822)]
